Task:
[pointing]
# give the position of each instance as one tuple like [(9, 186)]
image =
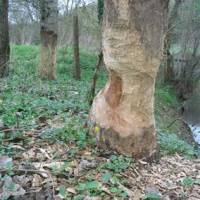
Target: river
[(196, 132), (192, 115)]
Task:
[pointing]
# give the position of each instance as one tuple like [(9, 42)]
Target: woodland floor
[(46, 151), (47, 170)]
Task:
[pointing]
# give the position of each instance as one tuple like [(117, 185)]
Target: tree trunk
[(91, 93), (168, 58), (77, 70), (123, 112), (4, 39), (48, 32)]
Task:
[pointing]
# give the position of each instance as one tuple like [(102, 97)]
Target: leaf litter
[(57, 170), (46, 152)]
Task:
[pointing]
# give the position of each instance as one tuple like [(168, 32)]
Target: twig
[(172, 123), (26, 171)]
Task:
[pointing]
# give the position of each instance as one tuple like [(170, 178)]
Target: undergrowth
[(57, 112), (25, 100)]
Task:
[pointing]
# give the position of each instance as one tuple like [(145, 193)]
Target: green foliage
[(28, 103), (168, 124), (188, 181), (152, 196), (72, 133), (25, 99), (34, 98), (62, 191), (92, 185), (118, 163), (171, 144), (118, 192), (167, 95), (106, 177), (65, 62)]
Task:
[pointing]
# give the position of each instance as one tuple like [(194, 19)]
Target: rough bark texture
[(49, 15), (4, 38), (133, 35), (77, 70)]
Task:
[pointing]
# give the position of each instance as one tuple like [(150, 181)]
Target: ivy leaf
[(88, 185), (62, 191), (106, 177), (188, 181)]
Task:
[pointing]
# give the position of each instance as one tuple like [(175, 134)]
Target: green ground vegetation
[(57, 111)]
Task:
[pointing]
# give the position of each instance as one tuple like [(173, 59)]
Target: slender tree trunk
[(168, 58), (100, 7), (123, 112), (49, 20), (77, 70), (91, 94), (4, 39)]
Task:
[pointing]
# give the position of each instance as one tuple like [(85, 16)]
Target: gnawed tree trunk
[(49, 16), (123, 112), (77, 70), (4, 39)]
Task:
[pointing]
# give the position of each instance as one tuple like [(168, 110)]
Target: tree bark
[(4, 39), (123, 112), (168, 58), (48, 32), (91, 93), (77, 70)]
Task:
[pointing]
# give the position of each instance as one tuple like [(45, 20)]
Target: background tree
[(123, 111), (25, 23), (91, 95), (187, 60), (100, 10), (48, 32), (4, 38), (168, 58), (77, 69)]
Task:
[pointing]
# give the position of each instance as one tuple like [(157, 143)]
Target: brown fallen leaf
[(71, 190), (37, 180)]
